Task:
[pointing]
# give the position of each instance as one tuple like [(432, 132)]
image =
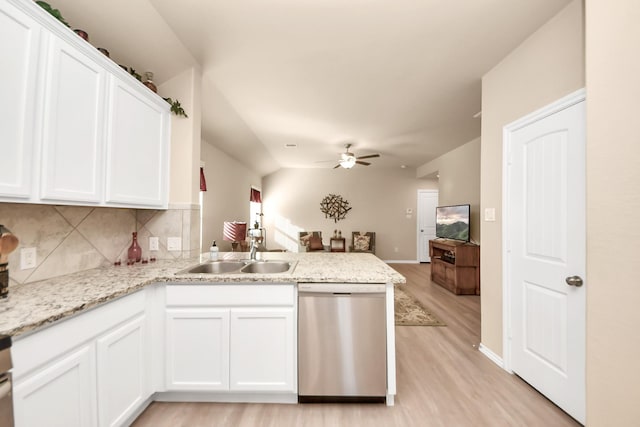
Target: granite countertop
[(35, 305)]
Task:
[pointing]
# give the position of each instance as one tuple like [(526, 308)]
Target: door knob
[(574, 281)]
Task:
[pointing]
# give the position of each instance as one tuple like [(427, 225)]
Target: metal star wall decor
[(334, 206)]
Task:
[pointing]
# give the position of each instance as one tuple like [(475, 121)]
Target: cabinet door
[(138, 142), (121, 371), (263, 356), (62, 394), (437, 270), (197, 353), (73, 135), (19, 47)]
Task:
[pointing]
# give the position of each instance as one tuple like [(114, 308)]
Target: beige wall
[(184, 184), (379, 199), (613, 206), (227, 196), (459, 180), (547, 66)]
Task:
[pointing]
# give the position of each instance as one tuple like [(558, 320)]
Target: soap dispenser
[(213, 251)]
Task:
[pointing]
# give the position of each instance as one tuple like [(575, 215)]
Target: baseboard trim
[(135, 414), (491, 355), (225, 397), (401, 261)]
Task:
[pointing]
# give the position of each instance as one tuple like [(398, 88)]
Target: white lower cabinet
[(122, 364), (243, 341), (62, 394), (197, 354), (100, 368), (89, 370), (262, 349)]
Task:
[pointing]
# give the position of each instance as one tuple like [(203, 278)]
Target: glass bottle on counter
[(135, 251)]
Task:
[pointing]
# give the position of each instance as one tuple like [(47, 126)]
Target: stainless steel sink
[(244, 266), (267, 267), (214, 267)]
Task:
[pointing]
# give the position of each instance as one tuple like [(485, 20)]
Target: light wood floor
[(443, 380)]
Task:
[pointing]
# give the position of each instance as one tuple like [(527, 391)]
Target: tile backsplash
[(76, 238)]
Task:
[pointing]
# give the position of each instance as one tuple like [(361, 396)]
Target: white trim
[(401, 261), (391, 343), (226, 397), (507, 131), (492, 356), (559, 105)]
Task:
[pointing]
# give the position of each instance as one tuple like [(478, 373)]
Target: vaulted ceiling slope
[(402, 78)]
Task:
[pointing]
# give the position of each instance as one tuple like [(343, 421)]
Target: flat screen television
[(452, 222)]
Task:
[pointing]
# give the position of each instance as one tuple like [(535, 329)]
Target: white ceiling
[(401, 78)]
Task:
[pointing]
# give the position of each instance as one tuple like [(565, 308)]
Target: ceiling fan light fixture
[(348, 162)]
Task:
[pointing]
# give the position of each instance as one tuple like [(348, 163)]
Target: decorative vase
[(135, 252), (148, 77)]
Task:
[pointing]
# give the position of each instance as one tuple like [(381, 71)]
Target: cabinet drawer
[(242, 294)]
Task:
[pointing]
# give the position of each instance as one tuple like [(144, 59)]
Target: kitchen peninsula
[(116, 336)]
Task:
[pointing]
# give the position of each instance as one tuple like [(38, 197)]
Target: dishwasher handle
[(342, 288)]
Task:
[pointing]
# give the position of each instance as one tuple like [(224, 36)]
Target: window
[(255, 207)]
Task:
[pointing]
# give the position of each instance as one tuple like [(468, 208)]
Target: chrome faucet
[(254, 248)]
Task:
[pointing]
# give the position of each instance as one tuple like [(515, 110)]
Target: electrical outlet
[(153, 243), (174, 243), (27, 258), (395, 249)]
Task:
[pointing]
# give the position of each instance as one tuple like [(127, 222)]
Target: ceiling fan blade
[(368, 156), (337, 166), (362, 163)]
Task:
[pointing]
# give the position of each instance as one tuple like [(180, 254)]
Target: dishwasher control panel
[(342, 288)]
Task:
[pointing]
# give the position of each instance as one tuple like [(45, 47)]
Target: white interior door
[(545, 249), (427, 203)]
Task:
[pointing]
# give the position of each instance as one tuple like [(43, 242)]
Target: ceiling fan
[(349, 160)]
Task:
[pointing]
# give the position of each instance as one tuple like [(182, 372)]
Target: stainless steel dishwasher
[(342, 348)]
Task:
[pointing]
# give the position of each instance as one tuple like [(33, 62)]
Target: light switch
[(489, 214)]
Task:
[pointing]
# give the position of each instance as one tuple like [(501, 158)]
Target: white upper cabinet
[(19, 48), (137, 159), (74, 127), (73, 133)]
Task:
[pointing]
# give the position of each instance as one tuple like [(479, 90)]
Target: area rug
[(409, 312)]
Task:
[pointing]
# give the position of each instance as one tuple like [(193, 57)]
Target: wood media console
[(455, 266)]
